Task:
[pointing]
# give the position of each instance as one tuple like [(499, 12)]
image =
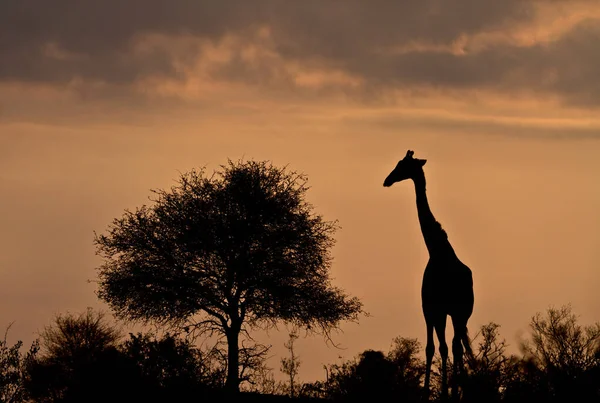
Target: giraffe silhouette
[(447, 282)]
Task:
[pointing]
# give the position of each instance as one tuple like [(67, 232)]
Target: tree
[(73, 336), (410, 368), (291, 365), (375, 376), (79, 361), (564, 354), (13, 364), (369, 377), (263, 381), (172, 366), (225, 254), (558, 341), (490, 368)]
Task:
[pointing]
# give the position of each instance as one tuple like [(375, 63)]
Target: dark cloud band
[(57, 41)]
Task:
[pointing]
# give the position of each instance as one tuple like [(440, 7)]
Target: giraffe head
[(407, 168)]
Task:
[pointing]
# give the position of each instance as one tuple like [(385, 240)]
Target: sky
[(102, 101)]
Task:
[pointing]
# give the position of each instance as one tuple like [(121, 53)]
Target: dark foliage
[(376, 376), (72, 337), (172, 365), (228, 253), (79, 361), (13, 369), (489, 369), (561, 362), (82, 361), (290, 366)]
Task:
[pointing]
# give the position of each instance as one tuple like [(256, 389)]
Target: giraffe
[(447, 282)]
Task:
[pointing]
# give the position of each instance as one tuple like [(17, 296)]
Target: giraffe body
[(447, 288)]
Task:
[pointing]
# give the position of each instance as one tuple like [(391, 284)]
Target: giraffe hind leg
[(440, 330), (460, 333)]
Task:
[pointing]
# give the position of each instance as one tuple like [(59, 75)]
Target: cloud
[(566, 66), (55, 40), (360, 48)]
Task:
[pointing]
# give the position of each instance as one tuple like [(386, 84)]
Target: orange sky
[(502, 101)]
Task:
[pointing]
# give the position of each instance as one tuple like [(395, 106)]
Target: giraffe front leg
[(440, 329), (444, 354), (429, 352)]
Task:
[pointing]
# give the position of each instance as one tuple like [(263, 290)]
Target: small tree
[(263, 381), (410, 368), (291, 364), (13, 365), (375, 376), (73, 336), (225, 254), (78, 361), (490, 369), (173, 366), (369, 377), (565, 354), (559, 342)]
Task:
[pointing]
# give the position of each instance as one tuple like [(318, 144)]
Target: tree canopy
[(237, 250)]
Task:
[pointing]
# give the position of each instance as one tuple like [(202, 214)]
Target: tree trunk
[(232, 384)]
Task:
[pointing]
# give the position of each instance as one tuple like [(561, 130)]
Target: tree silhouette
[(410, 368), (225, 254), (490, 368), (375, 376), (564, 355), (559, 342), (13, 365), (78, 335), (369, 377), (291, 365), (172, 366), (79, 361)]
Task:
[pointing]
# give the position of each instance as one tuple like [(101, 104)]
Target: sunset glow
[(102, 101)]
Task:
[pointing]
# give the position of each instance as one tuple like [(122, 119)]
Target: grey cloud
[(350, 28), (351, 36), (571, 65), (100, 31), (567, 67)]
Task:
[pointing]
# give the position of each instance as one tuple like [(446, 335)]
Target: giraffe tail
[(466, 342)]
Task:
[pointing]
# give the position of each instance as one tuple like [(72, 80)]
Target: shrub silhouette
[(561, 361), (83, 360), (409, 368), (490, 369), (376, 376), (173, 366), (80, 361), (13, 369)]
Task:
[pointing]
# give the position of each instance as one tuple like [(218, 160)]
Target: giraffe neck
[(435, 237)]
